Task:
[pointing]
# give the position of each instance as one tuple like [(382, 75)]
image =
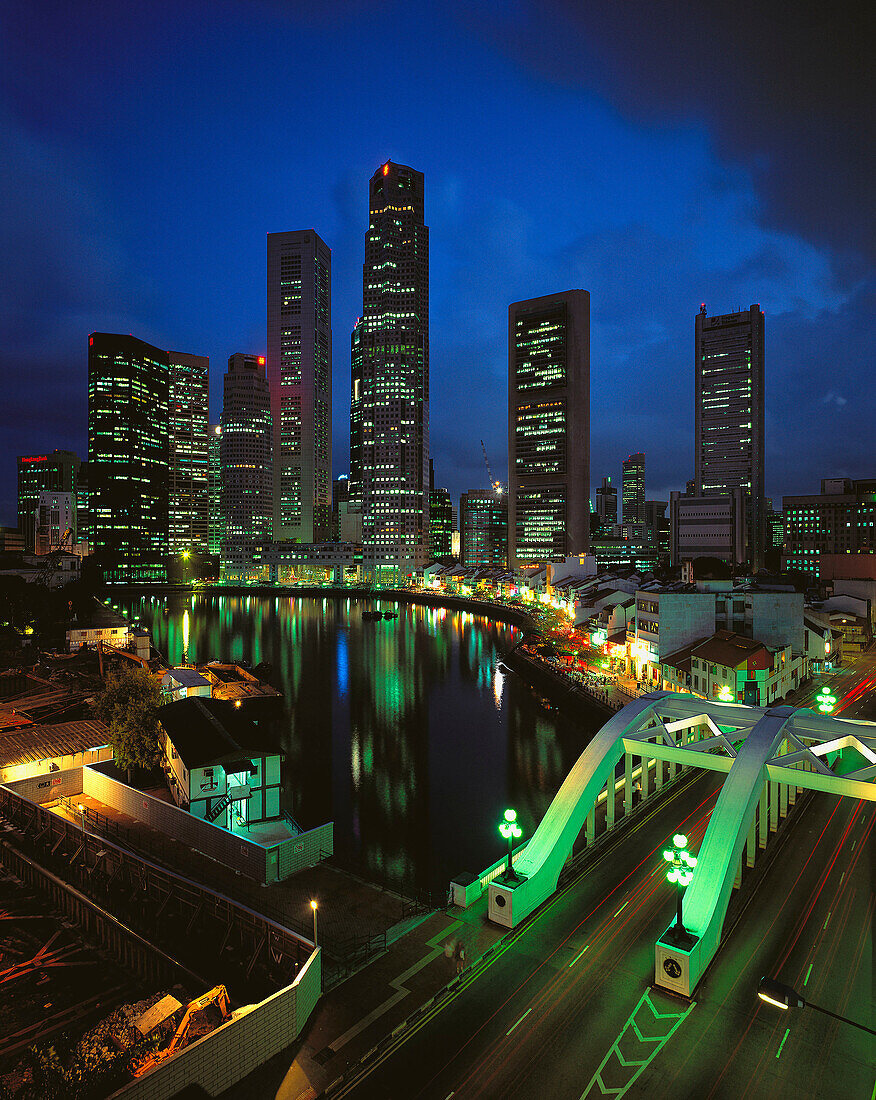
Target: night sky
[(658, 155)]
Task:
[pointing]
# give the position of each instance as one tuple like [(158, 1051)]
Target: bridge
[(768, 756)]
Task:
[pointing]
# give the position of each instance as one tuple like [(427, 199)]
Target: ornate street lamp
[(680, 871), (511, 831), (826, 701)]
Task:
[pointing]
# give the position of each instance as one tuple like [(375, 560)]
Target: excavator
[(105, 647), (217, 996)]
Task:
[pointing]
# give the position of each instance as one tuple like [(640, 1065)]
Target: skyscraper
[(187, 502), (245, 466), (634, 489), (548, 427), (729, 412), (55, 472), (215, 521), (300, 378), (390, 366), (483, 528), (128, 389), (606, 503)]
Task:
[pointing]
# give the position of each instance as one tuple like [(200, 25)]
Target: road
[(854, 687), (555, 1004)]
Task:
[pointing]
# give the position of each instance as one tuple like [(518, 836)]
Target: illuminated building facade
[(440, 523), (300, 379), (128, 391), (483, 528), (729, 413), (187, 501), (548, 428), (634, 489), (245, 447), (389, 421), (55, 472), (606, 504), (839, 520), (215, 521)]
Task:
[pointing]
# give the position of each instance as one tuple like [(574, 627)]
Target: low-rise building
[(727, 666), (185, 683), (219, 766)]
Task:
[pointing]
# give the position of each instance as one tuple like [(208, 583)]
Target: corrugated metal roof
[(36, 743)]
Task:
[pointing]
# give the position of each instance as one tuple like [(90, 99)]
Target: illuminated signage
[(35, 458)]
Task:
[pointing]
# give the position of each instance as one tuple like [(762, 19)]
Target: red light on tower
[(386, 169), (90, 340), (261, 360)]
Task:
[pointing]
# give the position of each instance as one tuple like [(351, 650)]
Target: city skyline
[(683, 208)]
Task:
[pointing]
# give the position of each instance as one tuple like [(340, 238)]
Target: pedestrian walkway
[(351, 1020)]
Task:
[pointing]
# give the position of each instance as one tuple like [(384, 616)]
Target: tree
[(129, 706)]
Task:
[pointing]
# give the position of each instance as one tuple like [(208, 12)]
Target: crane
[(495, 485)]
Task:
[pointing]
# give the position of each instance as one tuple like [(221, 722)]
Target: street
[(559, 1002)]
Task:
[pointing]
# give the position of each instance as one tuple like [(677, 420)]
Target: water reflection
[(401, 731)]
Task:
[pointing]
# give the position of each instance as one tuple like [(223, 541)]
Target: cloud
[(834, 399), (787, 92)]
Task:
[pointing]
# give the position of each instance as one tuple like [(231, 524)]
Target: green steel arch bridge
[(767, 756)]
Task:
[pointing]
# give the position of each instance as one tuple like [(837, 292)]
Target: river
[(402, 731)]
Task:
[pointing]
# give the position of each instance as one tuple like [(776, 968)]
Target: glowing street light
[(826, 701), (680, 871), (784, 997), (511, 831), (725, 695), (314, 907)]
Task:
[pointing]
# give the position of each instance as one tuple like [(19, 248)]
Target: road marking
[(782, 1043), (578, 956), (520, 1021), (842, 876), (651, 1045), (808, 972), (825, 923), (618, 913)]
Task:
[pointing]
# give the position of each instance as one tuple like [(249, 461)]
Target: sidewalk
[(350, 1020)]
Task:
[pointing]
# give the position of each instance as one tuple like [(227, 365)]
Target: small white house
[(219, 766), (185, 683)]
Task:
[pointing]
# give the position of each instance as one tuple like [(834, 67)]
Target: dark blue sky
[(658, 156)]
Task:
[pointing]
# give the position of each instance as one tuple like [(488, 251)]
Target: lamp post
[(82, 815), (511, 831), (313, 906), (725, 695), (784, 997), (826, 700), (680, 872)]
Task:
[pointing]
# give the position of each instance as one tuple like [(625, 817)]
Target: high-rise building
[(55, 472), (548, 428), (389, 412), (483, 528), (128, 390), (729, 413), (634, 489), (55, 516), (215, 521), (657, 525), (187, 500), (300, 378), (606, 504), (246, 472), (841, 519), (441, 523)]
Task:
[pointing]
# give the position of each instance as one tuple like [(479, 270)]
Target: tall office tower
[(657, 525), (56, 472), (128, 390), (246, 471), (300, 378), (82, 507), (187, 500), (355, 492), (55, 516), (215, 520), (440, 523), (606, 503), (390, 362), (634, 489), (548, 428), (841, 519), (729, 413), (483, 528)]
